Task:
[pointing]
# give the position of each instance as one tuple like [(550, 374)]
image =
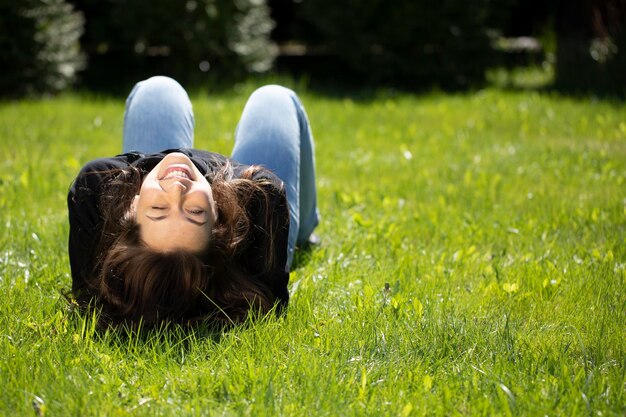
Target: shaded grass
[(473, 262)]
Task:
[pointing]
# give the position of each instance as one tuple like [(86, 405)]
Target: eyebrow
[(190, 220)]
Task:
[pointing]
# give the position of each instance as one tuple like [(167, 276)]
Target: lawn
[(473, 262)]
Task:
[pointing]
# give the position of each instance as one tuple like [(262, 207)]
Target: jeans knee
[(274, 92), (159, 89), (160, 82)]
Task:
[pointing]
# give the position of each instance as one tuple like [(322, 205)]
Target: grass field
[(473, 263)]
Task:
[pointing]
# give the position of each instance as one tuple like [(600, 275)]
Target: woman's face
[(175, 206)]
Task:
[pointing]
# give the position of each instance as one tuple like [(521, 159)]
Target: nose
[(178, 187)]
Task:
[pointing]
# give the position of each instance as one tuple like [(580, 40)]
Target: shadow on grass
[(303, 254)]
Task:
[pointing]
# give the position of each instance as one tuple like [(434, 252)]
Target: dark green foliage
[(406, 42), (126, 40), (591, 46), (39, 49)]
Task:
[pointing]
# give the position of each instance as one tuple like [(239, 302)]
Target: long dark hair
[(132, 283)]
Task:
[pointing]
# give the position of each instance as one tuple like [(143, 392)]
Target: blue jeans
[(273, 131)]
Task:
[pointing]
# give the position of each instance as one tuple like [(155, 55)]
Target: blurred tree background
[(49, 45), (39, 46), (190, 40)]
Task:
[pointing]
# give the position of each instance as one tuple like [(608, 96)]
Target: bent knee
[(273, 92), (160, 82), (159, 87)]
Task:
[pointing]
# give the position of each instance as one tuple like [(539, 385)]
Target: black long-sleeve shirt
[(86, 220)]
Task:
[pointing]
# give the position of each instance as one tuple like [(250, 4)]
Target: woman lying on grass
[(167, 233)]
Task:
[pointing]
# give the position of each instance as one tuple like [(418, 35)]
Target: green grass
[(497, 219)]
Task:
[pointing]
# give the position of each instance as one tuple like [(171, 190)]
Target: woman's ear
[(131, 214)]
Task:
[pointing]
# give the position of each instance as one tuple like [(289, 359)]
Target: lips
[(177, 171)]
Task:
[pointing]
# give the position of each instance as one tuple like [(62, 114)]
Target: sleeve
[(85, 218)]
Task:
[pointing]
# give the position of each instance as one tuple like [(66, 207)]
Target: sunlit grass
[(473, 262)]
